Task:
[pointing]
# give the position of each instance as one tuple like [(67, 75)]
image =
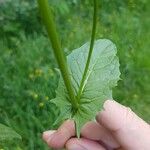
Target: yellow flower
[(41, 104), (46, 98), (31, 76), (135, 96), (35, 96), (51, 72), (38, 72)]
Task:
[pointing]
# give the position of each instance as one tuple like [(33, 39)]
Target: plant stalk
[(48, 21), (90, 51)]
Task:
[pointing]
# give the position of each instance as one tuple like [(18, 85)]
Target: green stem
[(90, 51), (58, 52)]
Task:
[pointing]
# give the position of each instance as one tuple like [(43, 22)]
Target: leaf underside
[(103, 74), (8, 136)]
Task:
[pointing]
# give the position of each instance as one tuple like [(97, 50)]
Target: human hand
[(117, 127)]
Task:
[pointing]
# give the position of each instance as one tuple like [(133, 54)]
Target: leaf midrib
[(89, 73)]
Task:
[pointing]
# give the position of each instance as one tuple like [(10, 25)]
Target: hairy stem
[(90, 51), (58, 52)]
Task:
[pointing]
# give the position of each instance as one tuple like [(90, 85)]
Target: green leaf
[(8, 136), (103, 74)]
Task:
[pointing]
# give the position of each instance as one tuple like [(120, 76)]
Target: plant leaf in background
[(8, 136), (103, 74)]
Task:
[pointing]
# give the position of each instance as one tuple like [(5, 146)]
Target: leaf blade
[(7, 135), (102, 75)]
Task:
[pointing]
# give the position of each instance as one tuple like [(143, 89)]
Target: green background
[(28, 77)]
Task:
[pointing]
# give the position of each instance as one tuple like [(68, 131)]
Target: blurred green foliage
[(27, 67)]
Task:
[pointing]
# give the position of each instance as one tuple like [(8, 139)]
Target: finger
[(128, 129), (94, 131), (47, 134), (57, 139), (83, 144), (119, 149)]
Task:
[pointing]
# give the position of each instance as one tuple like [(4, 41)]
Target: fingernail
[(76, 147), (113, 111), (47, 134)]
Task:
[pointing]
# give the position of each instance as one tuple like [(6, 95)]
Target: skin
[(117, 128)]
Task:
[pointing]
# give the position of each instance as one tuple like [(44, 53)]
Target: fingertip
[(50, 137), (125, 125), (109, 103), (113, 111), (61, 136), (47, 134)]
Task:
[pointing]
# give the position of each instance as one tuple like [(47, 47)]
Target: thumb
[(127, 128)]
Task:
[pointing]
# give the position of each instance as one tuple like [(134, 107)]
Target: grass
[(28, 76)]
